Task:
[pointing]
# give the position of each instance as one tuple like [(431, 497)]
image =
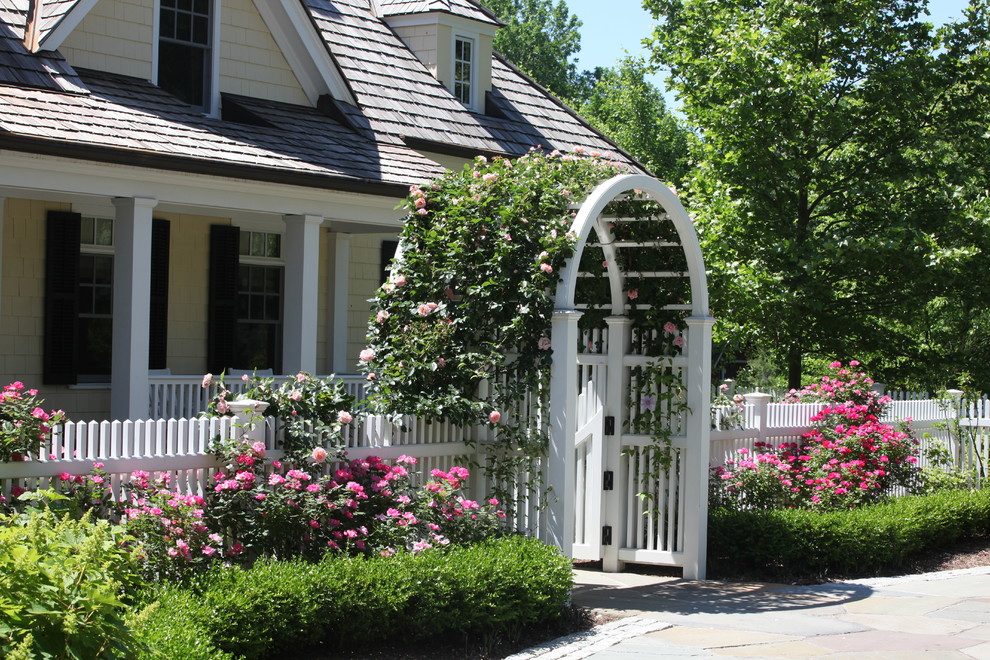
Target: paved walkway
[(934, 615)]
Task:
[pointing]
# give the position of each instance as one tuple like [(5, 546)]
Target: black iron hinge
[(607, 535), (608, 480), (609, 425)]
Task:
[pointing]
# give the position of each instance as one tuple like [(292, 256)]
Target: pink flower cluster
[(848, 459)]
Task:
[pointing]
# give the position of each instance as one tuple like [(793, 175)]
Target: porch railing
[(184, 397)]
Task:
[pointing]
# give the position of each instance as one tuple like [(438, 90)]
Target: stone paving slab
[(714, 638), (911, 624), (901, 605), (782, 650), (892, 641)]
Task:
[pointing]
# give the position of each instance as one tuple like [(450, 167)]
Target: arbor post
[(561, 477)]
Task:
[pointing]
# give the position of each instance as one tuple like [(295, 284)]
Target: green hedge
[(883, 537), (278, 607)]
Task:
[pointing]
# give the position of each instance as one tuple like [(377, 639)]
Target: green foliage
[(838, 189), (172, 627), (62, 585), (280, 607), (481, 253), (540, 37), (24, 425), (631, 111), (311, 410), (804, 543)]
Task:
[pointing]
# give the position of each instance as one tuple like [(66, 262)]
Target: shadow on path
[(684, 597)]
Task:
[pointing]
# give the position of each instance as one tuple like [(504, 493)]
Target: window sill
[(90, 386)]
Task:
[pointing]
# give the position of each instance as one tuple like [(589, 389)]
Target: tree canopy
[(541, 37), (840, 188), (631, 111)]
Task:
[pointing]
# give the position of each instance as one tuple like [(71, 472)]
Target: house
[(189, 186)]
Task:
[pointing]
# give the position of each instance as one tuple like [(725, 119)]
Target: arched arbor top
[(654, 202)]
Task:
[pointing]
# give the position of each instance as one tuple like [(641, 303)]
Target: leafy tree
[(541, 37), (839, 172), (631, 111)]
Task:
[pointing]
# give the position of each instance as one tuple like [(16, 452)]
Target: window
[(185, 50), (464, 70), (258, 329), (78, 326), (94, 332)]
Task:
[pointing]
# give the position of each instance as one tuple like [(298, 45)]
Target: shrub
[(806, 543), (848, 458), (311, 410), (171, 627), (281, 607), (62, 584), (24, 424)]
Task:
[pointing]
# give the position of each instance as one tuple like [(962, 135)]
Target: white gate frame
[(561, 469)]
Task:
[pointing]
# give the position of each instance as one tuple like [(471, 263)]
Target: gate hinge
[(608, 480), (607, 535), (609, 425)]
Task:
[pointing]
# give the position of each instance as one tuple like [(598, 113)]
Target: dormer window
[(185, 50), (464, 58)]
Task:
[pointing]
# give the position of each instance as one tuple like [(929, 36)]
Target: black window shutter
[(158, 330), (59, 365), (388, 252), (224, 246)]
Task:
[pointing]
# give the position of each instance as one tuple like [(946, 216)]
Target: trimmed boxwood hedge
[(280, 607), (801, 543)]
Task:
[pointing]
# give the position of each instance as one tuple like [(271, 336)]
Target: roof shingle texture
[(44, 102), (464, 8)]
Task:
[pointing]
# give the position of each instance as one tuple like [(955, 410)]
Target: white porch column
[(615, 406), (302, 277), (339, 307), (131, 307), (560, 475), (697, 376)]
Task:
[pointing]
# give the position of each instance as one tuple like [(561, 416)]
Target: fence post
[(955, 400), (761, 406), (246, 413)]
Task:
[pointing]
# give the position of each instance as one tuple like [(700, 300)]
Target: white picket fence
[(931, 420), (181, 449), (178, 397)]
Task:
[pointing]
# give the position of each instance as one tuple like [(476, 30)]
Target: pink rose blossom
[(494, 416), (344, 417), (367, 355)]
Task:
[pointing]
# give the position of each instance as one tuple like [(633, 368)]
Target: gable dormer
[(452, 38)]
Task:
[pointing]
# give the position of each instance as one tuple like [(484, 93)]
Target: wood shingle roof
[(47, 107)]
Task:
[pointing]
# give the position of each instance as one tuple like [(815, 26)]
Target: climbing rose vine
[(481, 253)]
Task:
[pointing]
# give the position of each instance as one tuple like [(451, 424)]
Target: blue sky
[(614, 27)]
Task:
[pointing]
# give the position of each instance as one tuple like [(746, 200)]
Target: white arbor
[(632, 305)]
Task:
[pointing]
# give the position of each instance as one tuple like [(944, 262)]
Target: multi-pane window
[(258, 336), (184, 49), (463, 70), (95, 325)]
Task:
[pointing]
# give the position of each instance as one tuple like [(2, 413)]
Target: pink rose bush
[(848, 459), (25, 427), (310, 411)]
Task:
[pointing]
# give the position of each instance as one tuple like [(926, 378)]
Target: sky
[(613, 28)]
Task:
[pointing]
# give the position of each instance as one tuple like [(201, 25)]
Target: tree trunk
[(794, 367)]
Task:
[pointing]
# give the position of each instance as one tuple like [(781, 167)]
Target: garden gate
[(632, 349)]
